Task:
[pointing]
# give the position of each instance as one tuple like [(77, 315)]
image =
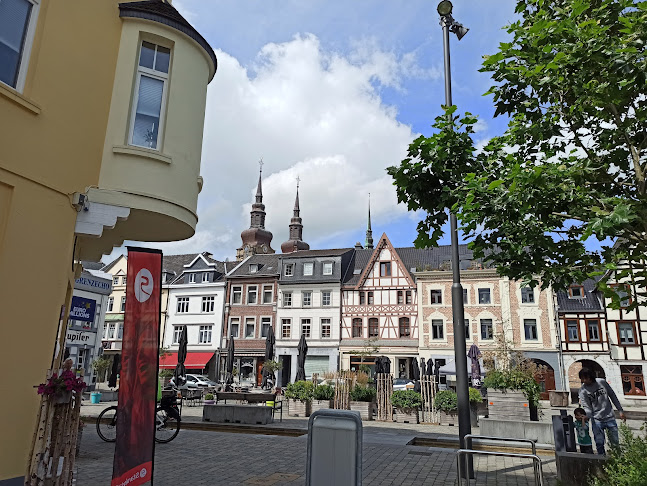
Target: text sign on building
[(83, 309), (79, 337)]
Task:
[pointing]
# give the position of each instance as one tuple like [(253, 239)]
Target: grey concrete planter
[(406, 417), (298, 408), (365, 409), (320, 405)]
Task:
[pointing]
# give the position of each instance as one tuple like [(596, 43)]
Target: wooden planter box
[(297, 408), (508, 404), (320, 405), (403, 417), (365, 409)]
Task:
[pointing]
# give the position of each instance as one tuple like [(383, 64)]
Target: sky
[(331, 92)]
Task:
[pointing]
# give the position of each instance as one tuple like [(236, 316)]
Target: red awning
[(193, 360)]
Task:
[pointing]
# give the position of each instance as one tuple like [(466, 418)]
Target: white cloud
[(308, 112)]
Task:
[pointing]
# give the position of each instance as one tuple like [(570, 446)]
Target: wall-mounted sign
[(82, 309), (80, 337), (93, 284)]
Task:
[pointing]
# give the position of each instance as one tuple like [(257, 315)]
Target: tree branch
[(635, 155)]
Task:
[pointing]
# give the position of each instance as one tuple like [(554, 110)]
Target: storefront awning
[(193, 360)]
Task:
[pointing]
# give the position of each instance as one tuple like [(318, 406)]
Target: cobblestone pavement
[(220, 458)]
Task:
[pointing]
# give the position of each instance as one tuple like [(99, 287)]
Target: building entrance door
[(286, 360), (259, 371)]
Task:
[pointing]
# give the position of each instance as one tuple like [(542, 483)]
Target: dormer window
[(308, 268), (205, 277), (327, 268), (192, 278), (289, 269), (253, 268), (576, 292)]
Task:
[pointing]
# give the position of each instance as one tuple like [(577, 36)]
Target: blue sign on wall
[(83, 309)]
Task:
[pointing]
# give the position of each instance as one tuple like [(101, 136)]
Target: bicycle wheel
[(166, 427), (107, 424)]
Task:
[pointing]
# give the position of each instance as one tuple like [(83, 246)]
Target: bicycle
[(167, 421)]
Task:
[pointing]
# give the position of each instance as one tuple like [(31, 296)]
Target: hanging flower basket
[(59, 388)]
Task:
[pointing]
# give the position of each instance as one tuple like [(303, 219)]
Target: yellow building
[(101, 119)]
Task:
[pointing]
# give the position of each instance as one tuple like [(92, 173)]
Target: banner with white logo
[(135, 447)]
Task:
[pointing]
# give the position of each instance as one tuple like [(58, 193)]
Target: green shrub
[(166, 373), (361, 393), (300, 390), (514, 379), (475, 396), (626, 465), (208, 396), (446, 401), (406, 400), (324, 392)]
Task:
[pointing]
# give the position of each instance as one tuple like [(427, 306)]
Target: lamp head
[(445, 8)]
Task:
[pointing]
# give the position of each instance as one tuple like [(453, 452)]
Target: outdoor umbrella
[(430, 367), (179, 376), (416, 370), (474, 354), (301, 359), (423, 367), (386, 363), (437, 372), (269, 355), (116, 368), (229, 365)]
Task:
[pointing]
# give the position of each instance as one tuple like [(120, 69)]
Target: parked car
[(200, 380), (188, 384), (403, 384)]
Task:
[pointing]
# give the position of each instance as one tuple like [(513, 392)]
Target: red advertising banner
[(135, 447)]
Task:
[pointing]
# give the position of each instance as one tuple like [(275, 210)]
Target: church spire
[(369, 231), (295, 243), (256, 239)]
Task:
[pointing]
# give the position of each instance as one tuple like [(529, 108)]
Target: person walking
[(595, 398)]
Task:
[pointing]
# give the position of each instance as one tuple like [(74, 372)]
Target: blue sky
[(331, 92)]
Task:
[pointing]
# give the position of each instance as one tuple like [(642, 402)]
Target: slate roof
[(164, 13), (418, 259), (268, 266), (87, 265), (590, 302), (315, 253)]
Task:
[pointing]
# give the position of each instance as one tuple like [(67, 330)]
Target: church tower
[(256, 239), (295, 243), (369, 232)]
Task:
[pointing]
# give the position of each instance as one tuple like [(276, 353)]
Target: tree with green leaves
[(572, 162)]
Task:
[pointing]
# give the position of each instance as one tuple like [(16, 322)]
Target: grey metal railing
[(539, 475), (532, 442)]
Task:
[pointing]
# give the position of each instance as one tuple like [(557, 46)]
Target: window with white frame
[(250, 327), (308, 268), (326, 328), (437, 329), (484, 296), (268, 294), (234, 326), (626, 333), (572, 330), (192, 278), (305, 328), (182, 305), (204, 336), (436, 297), (123, 304), (286, 328), (120, 331), (205, 277), (527, 295), (150, 91), (289, 270), (111, 330), (111, 303), (287, 299), (177, 334), (530, 329), (208, 303), (266, 323), (325, 297), (487, 329), (252, 294), (236, 294), (123, 280), (327, 268), (466, 322), (115, 280), (253, 268), (17, 26), (307, 299)]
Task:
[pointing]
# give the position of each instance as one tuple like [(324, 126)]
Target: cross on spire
[(298, 180), (260, 164)]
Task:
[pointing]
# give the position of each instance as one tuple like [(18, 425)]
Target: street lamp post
[(448, 24)]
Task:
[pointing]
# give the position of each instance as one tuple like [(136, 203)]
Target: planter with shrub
[(323, 396), (209, 399), (362, 400), (299, 395), (165, 377), (512, 393), (406, 404), (446, 402)]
